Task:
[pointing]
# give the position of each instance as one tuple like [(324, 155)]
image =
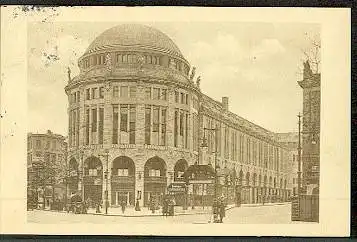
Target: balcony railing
[(123, 179), (155, 179)]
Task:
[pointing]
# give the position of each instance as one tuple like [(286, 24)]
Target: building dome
[(134, 36)]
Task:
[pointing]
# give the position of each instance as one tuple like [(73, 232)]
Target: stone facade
[(290, 141), (43, 149), (137, 119), (310, 129)]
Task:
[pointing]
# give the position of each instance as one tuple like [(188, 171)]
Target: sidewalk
[(130, 211), (145, 212), (265, 204)]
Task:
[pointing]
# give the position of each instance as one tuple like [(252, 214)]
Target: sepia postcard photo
[(199, 121)]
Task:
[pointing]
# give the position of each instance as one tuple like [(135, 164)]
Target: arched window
[(101, 59), (123, 166), (155, 167), (119, 58), (179, 66), (133, 58)]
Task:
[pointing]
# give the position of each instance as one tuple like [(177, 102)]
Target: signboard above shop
[(176, 188)]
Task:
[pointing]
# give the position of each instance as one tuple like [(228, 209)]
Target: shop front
[(93, 188), (93, 180), (123, 182), (155, 182), (201, 185)]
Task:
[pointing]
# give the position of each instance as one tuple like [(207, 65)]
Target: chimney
[(225, 103)]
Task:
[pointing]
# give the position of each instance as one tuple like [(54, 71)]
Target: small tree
[(312, 54), (48, 172)]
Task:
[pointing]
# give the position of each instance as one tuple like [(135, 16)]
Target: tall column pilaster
[(108, 115), (140, 114), (170, 116), (81, 116), (139, 185), (170, 177)]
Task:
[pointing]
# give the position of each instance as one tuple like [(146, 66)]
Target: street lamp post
[(106, 173), (66, 190), (82, 175)]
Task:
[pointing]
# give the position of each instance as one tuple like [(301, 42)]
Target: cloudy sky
[(257, 65)]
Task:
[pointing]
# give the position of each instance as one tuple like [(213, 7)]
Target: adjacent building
[(311, 130), (137, 120), (46, 155), (305, 206), (290, 141)]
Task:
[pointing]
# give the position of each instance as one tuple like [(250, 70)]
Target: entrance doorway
[(123, 181), (122, 197), (156, 197)]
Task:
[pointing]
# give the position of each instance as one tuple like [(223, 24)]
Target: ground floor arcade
[(125, 182)]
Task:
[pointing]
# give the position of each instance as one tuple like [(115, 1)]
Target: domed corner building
[(136, 125)]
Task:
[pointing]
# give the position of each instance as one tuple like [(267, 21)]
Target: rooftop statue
[(198, 81), (69, 74), (307, 69), (193, 73)]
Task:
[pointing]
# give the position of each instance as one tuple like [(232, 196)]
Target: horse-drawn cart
[(77, 205)]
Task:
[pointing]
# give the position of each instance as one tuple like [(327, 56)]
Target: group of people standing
[(168, 206), (219, 210)]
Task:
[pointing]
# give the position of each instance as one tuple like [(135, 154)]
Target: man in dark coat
[(166, 206), (123, 205), (222, 210), (152, 205), (97, 207)]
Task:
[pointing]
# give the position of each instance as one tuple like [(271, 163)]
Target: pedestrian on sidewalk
[(172, 204), (165, 207), (222, 209), (89, 202), (123, 205), (215, 218), (152, 205), (137, 206), (98, 206)]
